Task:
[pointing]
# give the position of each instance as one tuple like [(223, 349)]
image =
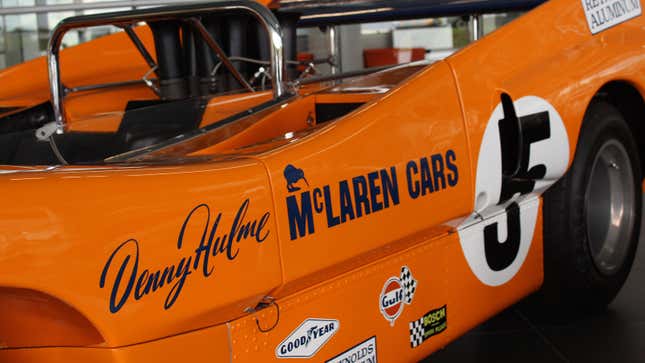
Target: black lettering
[(453, 177), (149, 281), (301, 218), (426, 177), (413, 186), (375, 190), (390, 187), (500, 255), (114, 304), (360, 196), (332, 220), (318, 205), (437, 172), (346, 207), (535, 127)]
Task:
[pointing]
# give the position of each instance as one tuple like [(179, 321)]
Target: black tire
[(573, 281)]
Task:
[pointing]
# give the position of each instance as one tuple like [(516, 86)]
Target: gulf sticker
[(397, 292)]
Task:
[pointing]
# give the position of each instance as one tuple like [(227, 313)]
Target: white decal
[(497, 237), (364, 352), (397, 292), (603, 14), (307, 338)]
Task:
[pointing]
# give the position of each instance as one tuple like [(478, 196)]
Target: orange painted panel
[(383, 150), (324, 220), (187, 240), (565, 65), (389, 56), (443, 279), (206, 345)]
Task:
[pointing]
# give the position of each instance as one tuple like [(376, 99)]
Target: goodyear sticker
[(307, 339), (432, 323), (603, 14)]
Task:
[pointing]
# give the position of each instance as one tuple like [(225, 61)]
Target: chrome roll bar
[(191, 14)]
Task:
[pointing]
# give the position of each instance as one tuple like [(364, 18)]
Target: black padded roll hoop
[(288, 23), (237, 46), (172, 73), (206, 59)]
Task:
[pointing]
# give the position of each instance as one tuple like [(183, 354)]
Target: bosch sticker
[(430, 324)]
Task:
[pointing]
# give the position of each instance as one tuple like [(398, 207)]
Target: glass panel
[(2, 37), (392, 42), (25, 37), (21, 38)]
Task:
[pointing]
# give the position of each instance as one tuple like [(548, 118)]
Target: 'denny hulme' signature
[(130, 279)]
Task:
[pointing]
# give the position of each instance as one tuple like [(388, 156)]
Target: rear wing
[(336, 12)]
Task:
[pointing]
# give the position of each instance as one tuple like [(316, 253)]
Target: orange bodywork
[(204, 251), (386, 56)]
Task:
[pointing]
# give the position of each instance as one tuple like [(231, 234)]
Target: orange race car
[(182, 191)]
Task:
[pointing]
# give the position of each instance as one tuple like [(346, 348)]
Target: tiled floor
[(512, 336)]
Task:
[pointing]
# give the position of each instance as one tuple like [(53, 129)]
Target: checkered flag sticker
[(416, 333), (409, 284)]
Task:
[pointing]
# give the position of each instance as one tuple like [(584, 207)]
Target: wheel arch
[(32, 318), (626, 97)]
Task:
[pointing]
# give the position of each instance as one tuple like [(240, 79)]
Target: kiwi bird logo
[(293, 175)]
